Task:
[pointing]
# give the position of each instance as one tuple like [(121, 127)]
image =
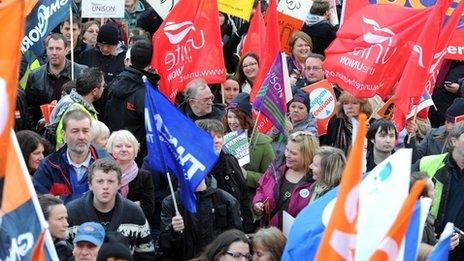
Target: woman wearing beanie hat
[(299, 120), (239, 118)]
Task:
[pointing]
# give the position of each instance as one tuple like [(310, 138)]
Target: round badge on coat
[(304, 193)]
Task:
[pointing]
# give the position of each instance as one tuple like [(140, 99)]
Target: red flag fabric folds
[(372, 47), (256, 35), (187, 46)]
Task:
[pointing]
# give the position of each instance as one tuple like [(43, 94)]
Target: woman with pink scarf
[(136, 184)]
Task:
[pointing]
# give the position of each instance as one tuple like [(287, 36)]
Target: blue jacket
[(53, 175)]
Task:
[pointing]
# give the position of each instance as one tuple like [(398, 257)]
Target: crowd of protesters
[(88, 159)]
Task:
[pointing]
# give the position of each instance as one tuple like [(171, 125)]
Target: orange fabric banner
[(339, 239)]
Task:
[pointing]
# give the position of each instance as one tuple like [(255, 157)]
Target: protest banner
[(237, 144), (162, 7), (102, 8), (238, 8), (322, 103)]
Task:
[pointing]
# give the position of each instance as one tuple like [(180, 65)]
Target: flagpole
[(173, 194), (72, 41), (254, 130), (413, 120), (222, 94)]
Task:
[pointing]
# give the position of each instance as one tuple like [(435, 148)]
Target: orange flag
[(390, 245), (38, 253), (256, 35), (339, 239), (11, 25)]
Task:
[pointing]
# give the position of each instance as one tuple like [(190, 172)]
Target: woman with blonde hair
[(268, 244), (340, 127), (328, 164), (285, 187), (136, 184)]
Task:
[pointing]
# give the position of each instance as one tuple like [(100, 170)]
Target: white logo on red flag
[(188, 46)]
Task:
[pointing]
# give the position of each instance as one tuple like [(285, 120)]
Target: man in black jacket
[(318, 26), (126, 96), (229, 174), (44, 84), (184, 235), (108, 56)]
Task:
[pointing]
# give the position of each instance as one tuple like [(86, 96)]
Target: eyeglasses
[(248, 65), (313, 68), (237, 255), (205, 100)]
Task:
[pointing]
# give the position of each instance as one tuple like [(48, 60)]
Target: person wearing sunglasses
[(228, 246), (286, 186)]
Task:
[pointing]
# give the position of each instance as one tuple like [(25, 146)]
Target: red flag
[(371, 49), (339, 239), (390, 245), (425, 61), (272, 47), (256, 35), (187, 46)]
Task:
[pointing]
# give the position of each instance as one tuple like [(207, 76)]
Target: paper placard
[(103, 8), (287, 223), (162, 7), (237, 144)]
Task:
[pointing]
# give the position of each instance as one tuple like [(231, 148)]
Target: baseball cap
[(91, 232)]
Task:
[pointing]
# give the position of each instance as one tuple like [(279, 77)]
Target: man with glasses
[(313, 71), (198, 102)]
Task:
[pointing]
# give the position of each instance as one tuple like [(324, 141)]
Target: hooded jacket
[(217, 211), (126, 105)]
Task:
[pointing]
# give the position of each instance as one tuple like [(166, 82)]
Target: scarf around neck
[(128, 175)]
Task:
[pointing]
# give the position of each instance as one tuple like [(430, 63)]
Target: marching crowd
[(88, 158)]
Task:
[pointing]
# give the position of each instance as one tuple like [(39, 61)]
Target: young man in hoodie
[(318, 26), (126, 96)]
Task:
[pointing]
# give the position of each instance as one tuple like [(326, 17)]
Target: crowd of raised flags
[(366, 217)]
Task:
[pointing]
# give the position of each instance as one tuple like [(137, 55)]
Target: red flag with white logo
[(371, 49), (425, 61), (188, 46)]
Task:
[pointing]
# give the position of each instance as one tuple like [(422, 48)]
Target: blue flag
[(308, 229), (44, 17), (442, 248), (176, 145)]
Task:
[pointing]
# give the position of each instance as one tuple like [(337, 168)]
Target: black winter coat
[(141, 189), (229, 177), (126, 104), (40, 91), (322, 35), (217, 211), (110, 65)]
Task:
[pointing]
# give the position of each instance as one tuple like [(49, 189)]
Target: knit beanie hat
[(241, 102), (302, 97), (455, 112), (108, 34), (115, 247)]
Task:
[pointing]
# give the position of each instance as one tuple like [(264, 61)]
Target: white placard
[(299, 9), (103, 8), (162, 7), (287, 223)]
